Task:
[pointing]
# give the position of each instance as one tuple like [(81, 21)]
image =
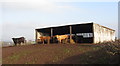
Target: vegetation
[(104, 53)]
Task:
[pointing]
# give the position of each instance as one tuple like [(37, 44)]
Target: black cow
[(18, 40)]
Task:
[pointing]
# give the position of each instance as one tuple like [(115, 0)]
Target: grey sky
[(22, 18)]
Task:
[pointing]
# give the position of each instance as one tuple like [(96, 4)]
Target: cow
[(18, 40), (61, 37), (45, 38), (54, 39)]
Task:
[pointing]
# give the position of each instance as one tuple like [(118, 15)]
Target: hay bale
[(72, 41), (68, 41)]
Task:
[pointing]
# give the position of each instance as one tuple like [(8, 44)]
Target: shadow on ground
[(92, 57)]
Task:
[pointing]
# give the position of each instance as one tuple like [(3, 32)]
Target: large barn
[(84, 32)]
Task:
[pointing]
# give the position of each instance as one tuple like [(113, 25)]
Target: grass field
[(60, 54)]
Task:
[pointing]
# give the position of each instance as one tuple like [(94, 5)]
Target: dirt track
[(54, 54)]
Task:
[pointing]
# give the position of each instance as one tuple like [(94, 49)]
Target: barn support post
[(50, 35), (70, 34), (36, 36), (51, 32), (93, 30)]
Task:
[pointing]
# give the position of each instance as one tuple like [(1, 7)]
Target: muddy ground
[(58, 54)]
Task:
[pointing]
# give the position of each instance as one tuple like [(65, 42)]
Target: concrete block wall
[(103, 34)]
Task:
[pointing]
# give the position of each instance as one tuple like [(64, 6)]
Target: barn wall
[(38, 35), (103, 34)]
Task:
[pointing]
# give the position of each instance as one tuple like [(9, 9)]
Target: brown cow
[(62, 37), (59, 38), (44, 38)]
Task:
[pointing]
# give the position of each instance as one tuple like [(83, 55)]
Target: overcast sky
[(22, 17)]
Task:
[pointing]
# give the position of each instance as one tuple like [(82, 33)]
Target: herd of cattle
[(59, 39), (48, 39), (53, 39)]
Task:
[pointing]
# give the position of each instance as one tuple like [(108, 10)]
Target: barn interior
[(81, 33)]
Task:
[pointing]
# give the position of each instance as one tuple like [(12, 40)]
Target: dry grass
[(112, 47), (104, 53)]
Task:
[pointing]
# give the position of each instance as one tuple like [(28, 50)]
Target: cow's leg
[(19, 43), (48, 41), (23, 43), (15, 44), (43, 42), (63, 41), (60, 40)]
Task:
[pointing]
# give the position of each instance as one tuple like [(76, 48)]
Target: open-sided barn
[(81, 33)]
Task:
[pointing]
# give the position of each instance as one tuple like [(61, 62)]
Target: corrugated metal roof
[(72, 24), (64, 25)]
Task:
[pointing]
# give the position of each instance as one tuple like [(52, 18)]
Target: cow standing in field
[(62, 37), (45, 38), (18, 40)]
